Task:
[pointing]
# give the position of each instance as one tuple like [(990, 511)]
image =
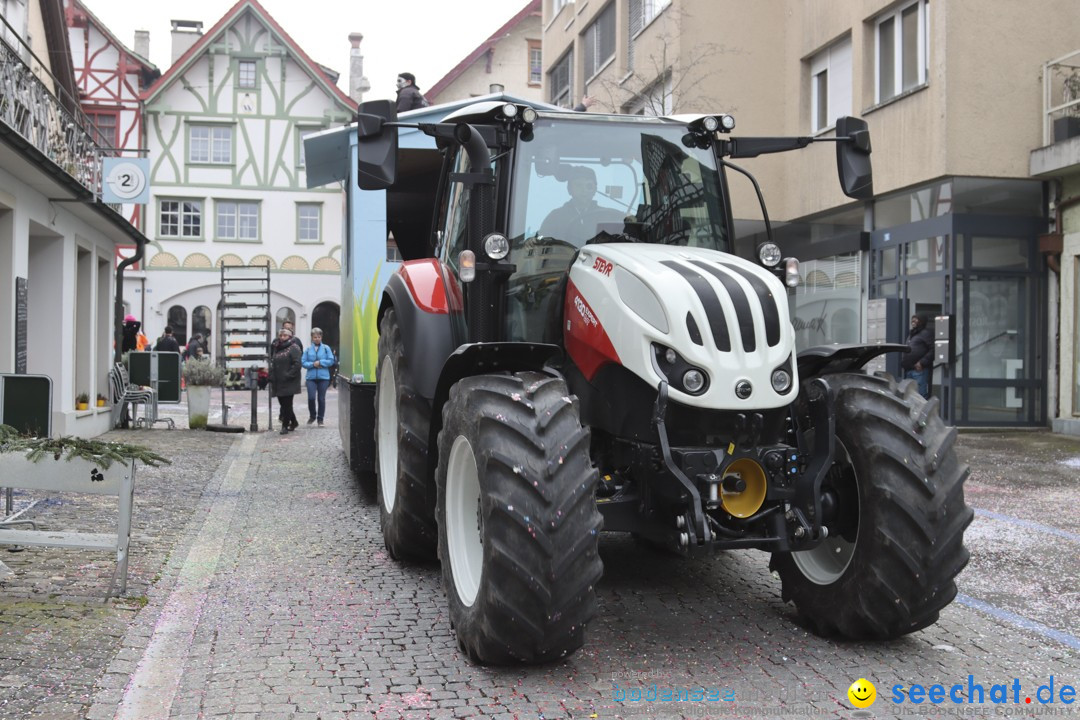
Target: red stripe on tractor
[(425, 283), (587, 342)]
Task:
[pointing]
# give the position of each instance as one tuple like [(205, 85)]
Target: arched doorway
[(177, 319), (326, 316)]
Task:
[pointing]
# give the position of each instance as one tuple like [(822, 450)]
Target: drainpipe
[(118, 304)]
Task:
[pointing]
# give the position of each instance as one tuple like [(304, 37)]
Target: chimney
[(142, 43), (185, 33), (358, 84)]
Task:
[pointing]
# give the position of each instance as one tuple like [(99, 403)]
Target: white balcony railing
[(53, 124), (1061, 98)]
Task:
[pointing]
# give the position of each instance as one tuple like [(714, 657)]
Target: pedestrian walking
[(277, 343), (919, 359), (167, 343), (317, 359), (408, 95), (196, 343), (285, 379)]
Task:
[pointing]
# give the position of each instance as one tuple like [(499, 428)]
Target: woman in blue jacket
[(318, 359)]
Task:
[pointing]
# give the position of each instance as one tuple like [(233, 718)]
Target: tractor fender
[(829, 359), (483, 359), (426, 315)]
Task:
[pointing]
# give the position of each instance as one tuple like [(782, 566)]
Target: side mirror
[(853, 158), (377, 145)]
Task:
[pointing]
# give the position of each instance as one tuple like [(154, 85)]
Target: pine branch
[(100, 453)]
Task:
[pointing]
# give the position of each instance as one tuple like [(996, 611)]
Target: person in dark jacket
[(167, 343), (285, 379), (132, 336), (408, 95), (919, 359)]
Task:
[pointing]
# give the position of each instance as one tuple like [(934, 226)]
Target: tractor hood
[(720, 314)]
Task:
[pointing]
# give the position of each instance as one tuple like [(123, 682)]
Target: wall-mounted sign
[(126, 180)]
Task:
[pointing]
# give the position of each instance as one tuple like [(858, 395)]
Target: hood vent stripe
[(695, 334), (739, 300), (714, 311), (768, 303)]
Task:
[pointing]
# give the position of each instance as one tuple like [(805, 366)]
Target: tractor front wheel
[(896, 517), (518, 522)]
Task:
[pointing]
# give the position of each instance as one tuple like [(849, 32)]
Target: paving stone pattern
[(268, 594)]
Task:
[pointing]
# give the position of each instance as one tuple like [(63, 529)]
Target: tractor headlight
[(529, 115), (711, 124), (769, 254), (693, 381), (496, 246), (781, 381), (509, 110)]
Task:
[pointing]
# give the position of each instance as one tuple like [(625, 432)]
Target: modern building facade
[(1058, 162), (224, 129), (510, 61), (58, 241), (953, 230)]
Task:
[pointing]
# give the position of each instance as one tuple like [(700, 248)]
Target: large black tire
[(889, 567), (405, 490), (518, 524)]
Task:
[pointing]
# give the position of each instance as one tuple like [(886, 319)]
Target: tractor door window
[(455, 235)]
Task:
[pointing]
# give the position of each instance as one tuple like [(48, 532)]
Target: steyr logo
[(603, 267)]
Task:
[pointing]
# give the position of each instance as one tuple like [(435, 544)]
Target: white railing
[(1061, 98), (47, 118)]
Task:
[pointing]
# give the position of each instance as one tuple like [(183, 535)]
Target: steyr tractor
[(581, 350)]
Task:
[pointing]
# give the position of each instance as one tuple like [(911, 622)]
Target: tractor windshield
[(615, 180), (592, 179)]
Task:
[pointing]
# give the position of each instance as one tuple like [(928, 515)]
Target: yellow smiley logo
[(862, 693)]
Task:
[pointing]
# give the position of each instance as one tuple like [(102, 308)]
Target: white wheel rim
[(463, 518), (826, 563), (388, 433)]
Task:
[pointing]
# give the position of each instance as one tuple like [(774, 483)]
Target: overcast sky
[(424, 37)]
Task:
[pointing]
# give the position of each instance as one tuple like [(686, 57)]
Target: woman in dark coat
[(285, 378)]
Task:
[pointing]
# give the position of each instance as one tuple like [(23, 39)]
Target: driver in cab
[(580, 218)]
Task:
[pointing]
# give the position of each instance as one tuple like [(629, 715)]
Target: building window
[(902, 49), (180, 219), (245, 74), (643, 12), (830, 85), (237, 220), (104, 124), (536, 62), (557, 5), (301, 158), (559, 80), (210, 144), (600, 41), (308, 223), (655, 100)]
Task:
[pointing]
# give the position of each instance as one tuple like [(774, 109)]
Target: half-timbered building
[(224, 128)]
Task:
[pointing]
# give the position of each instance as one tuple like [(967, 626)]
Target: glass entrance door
[(998, 380)]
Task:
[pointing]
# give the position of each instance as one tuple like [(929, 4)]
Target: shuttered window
[(559, 78), (600, 41)]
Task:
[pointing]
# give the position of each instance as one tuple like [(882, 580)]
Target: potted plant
[(199, 377), (101, 400), (82, 401)]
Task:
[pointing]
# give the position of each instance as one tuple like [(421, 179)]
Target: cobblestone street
[(259, 588)]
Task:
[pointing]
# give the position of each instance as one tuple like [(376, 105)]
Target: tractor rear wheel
[(896, 536), (405, 492), (518, 524)]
